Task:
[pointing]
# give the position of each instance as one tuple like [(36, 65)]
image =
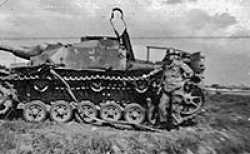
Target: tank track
[(89, 97)]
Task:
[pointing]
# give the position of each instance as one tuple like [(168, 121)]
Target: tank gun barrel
[(6, 49), (17, 52)]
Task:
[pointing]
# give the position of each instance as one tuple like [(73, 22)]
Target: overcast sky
[(154, 18)]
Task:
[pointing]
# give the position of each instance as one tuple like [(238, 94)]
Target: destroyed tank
[(97, 78)]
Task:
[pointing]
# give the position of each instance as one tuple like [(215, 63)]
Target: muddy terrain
[(222, 127)]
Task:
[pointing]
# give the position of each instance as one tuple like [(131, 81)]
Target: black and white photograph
[(124, 77)]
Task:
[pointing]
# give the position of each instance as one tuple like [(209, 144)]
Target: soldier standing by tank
[(174, 70)]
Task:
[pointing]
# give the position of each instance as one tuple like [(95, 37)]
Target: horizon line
[(136, 37)]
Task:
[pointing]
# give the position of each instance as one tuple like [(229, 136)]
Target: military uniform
[(172, 82)]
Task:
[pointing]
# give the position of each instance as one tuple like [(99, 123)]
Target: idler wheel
[(193, 101), (35, 111), (192, 104), (185, 106), (134, 113), (86, 110), (61, 111), (111, 111)]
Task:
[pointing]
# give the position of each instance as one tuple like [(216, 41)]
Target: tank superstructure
[(97, 78)]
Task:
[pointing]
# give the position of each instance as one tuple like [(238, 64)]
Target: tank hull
[(96, 86), (125, 95)]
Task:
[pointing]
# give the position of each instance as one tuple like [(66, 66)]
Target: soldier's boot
[(150, 112), (176, 110)]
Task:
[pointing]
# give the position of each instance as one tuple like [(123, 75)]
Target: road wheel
[(35, 111), (61, 111), (111, 112), (86, 110), (134, 113)]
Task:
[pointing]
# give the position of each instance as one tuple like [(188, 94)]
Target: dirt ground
[(222, 128)]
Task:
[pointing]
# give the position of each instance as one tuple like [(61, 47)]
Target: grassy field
[(222, 128)]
